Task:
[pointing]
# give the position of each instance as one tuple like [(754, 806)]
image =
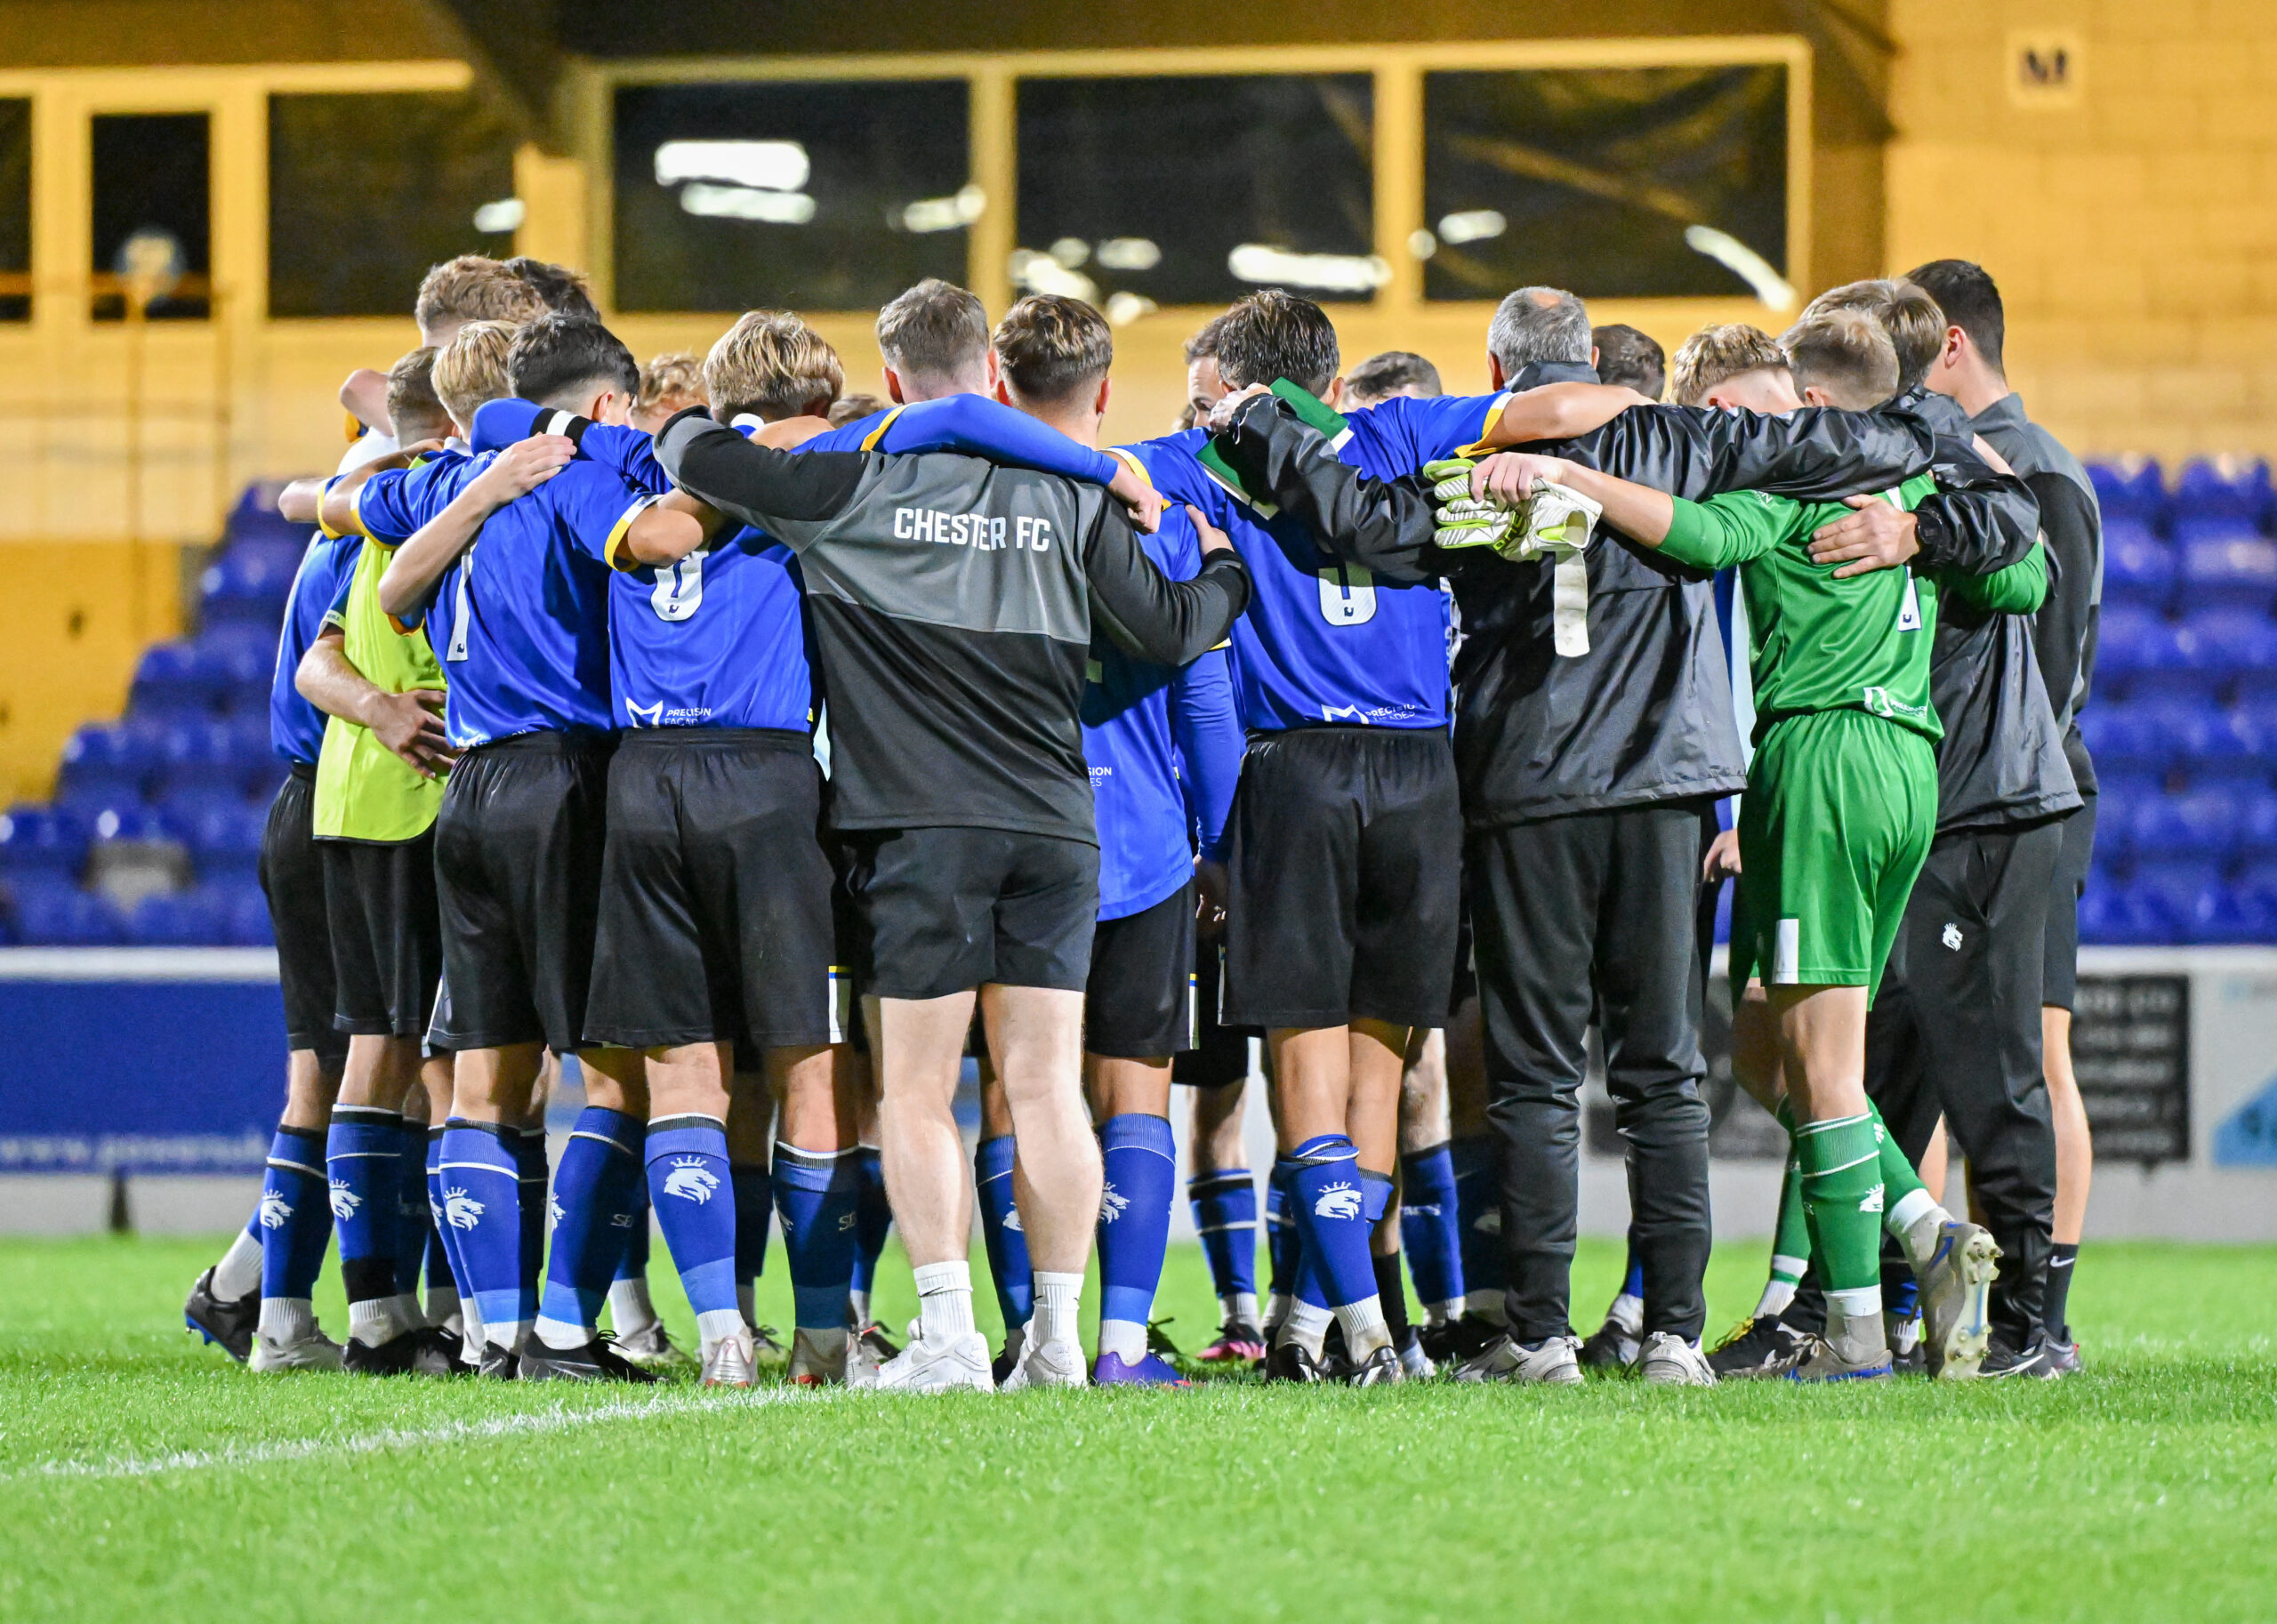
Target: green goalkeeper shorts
[(1836, 822)]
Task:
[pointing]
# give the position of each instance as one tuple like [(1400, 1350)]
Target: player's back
[(520, 621), (717, 639), (1323, 641)]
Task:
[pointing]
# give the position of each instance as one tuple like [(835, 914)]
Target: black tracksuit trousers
[(1956, 1030), (1593, 913)]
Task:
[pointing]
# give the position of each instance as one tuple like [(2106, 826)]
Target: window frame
[(1397, 71)]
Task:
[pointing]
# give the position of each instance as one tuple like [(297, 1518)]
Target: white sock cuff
[(1776, 1295), (238, 1273), (952, 1276), (559, 1333), (1861, 1303), (1057, 1295), (1241, 1305), (1910, 1208), (714, 1324), (287, 1318), (628, 1307), (1126, 1340)]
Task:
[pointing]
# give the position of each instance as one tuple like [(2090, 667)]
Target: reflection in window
[(1136, 192), (153, 214), (15, 210), (1647, 181), (809, 196), (366, 191)]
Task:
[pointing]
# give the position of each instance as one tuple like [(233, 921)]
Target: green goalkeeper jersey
[(1819, 643)]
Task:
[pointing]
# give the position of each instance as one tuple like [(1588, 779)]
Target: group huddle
[(772, 749)]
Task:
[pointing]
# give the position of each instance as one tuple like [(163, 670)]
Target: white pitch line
[(397, 1438)]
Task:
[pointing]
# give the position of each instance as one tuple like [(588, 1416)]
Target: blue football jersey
[(521, 620), (1322, 641), (394, 503), (296, 727), (1140, 721), (1398, 435)]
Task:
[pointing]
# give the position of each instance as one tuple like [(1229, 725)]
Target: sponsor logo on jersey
[(344, 1200), (691, 1180), (981, 531)]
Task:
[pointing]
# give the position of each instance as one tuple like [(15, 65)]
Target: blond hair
[(677, 375), (1915, 326), (1718, 354), (773, 365), (1844, 354), (472, 368), (474, 288)]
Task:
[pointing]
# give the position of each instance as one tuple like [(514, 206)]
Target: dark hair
[(935, 329), (558, 352), (1379, 377), (1970, 298), (412, 397), (1050, 346), (563, 290), (1273, 334), (1627, 355), (1204, 345)]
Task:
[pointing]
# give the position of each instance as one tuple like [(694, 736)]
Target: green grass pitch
[(143, 1476)]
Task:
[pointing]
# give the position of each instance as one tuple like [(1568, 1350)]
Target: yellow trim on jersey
[(618, 533), (1481, 446), (1130, 461), (870, 440), (323, 495)]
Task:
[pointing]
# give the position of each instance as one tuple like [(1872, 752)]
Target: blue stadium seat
[(42, 841), (2128, 490), (2137, 567), (200, 750), (111, 761), (2110, 914), (2180, 893), (2226, 641), (58, 915), (2131, 638), (2197, 823), (184, 918), (2120, 791), (2231, 743), (255, 517), (2122, 734), (248, 917), (2257, 824), (2224, 561), (248, 583), (172, 679), (225, 840), (2206, 489), (131, 824)]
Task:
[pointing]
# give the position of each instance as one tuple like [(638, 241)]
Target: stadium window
[(1196, 189), (15, 208), (153, 214), (817, 196), (366, 191), (1617, 182)]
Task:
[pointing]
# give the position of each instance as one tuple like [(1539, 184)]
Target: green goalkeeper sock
[(1906, 1199), (1843, 1197), (1790, 1239)]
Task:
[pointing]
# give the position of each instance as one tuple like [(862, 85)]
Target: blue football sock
[(818, 1194), (1225, 1215), (873, 1217), (755, 1210), (528, 1146), (1331, 1209), (294, 1215), (1139, 1157), (999, 1231), (632, 1263), (1429, 1232), (413, 1226), (1478, 1214), (446, 1237), (1632, 1278), (1375, 1194), (593, 1195), (694, 1195), (482, 1202), (1283, 1248), (360, 1156)]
